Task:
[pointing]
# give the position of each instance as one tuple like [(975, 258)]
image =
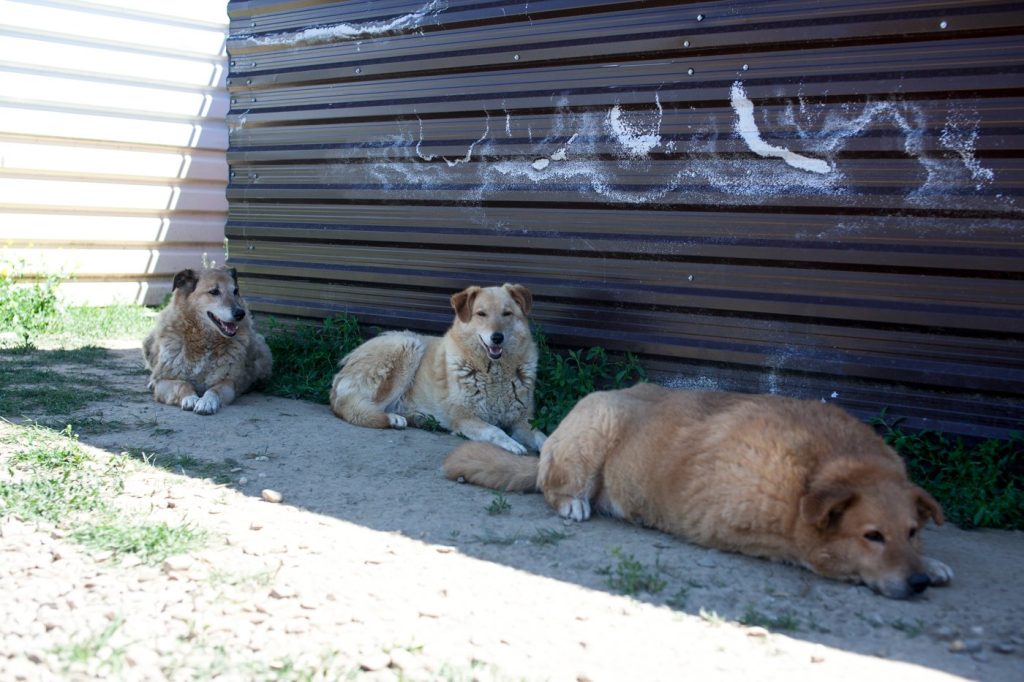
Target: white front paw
[(397, 421), (538, 440), (503, 440), (208, 404), (576, 508), (189, 402), (938, 572)]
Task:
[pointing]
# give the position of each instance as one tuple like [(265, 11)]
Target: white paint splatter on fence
[(635, 141), (345, 31), (746, 127), (961, 136)]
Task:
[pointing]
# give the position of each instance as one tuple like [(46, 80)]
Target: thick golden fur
[(796, 481), (476, 380), (203, 350)]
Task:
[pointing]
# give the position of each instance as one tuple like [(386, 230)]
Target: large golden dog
[(796, 481), (476, 380), (203, 350)]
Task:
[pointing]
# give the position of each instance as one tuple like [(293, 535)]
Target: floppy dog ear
[(824, 506), (521, 295), (927, 506), (185, 280), (463, 303)]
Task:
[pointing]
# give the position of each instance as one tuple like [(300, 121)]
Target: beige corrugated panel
[(112, 141)]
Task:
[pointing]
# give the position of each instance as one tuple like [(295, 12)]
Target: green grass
[(85, 325), (82, 653), (631, 577), (50, 477), (306, 356), (565, 377), (27, 307), (220, 472), (785, 621), (499, 505), (150, 542), (33, 388), (979, 485), (548, 536)]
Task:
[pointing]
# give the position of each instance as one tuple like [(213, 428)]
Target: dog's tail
[(489, 466)]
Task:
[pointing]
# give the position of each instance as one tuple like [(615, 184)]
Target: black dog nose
[(918, 582), (238, 313), (497, 338)]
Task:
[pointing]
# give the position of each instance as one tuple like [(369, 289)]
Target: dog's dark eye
[(913, 532), (874, 536), (214, 292), (236, 292), (506, 313), (481, 313)]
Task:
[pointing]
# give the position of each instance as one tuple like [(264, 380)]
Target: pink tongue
[(495, 350)]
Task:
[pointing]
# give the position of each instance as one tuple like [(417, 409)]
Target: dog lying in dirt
[(203, 350), (476, 380), (796, 481)]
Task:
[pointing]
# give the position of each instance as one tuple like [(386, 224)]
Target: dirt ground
[(376, 566)]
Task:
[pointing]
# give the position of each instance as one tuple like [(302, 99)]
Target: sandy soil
[(375, 564)]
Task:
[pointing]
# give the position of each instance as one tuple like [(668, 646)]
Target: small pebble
[(757, 631), (271, 495), (375, 661), (177, 563), (1004, 648)]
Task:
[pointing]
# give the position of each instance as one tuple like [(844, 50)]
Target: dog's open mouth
[(226, 328), (493, 351)]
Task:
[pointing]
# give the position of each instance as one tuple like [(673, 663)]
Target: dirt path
[(375, 565)]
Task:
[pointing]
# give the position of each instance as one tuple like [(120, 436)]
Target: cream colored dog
[(203, 350), (476, 380), (797, 481)]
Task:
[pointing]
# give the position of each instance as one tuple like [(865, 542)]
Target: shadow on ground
[(390, 481)]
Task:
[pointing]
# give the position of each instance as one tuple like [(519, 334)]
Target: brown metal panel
[(816, 199)]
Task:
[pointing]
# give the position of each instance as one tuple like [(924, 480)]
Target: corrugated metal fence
[(112, 141), (820, 199)]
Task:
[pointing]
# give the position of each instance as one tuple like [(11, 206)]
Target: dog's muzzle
[(494, 349), (228, 329)]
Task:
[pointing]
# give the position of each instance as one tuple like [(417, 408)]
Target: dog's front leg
[(475, 428), (174, 392), (215, 397), (528, 436)]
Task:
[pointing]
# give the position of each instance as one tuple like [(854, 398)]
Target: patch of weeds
[(979, 485), (306, 356), (548, 536), (150, 542), (85, 652), (51, 478), (499, 504), (491, 539), (911, 630), (32, 387), (187, 465), (249, 581), (785, 621), (28, 304), (710, 617), (429, 423), (564, 378), (678, 599), (629, 576), (91, 324)]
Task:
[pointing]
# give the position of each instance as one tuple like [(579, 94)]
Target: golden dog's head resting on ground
[(868, 519), (491, 316), (214, 294)]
